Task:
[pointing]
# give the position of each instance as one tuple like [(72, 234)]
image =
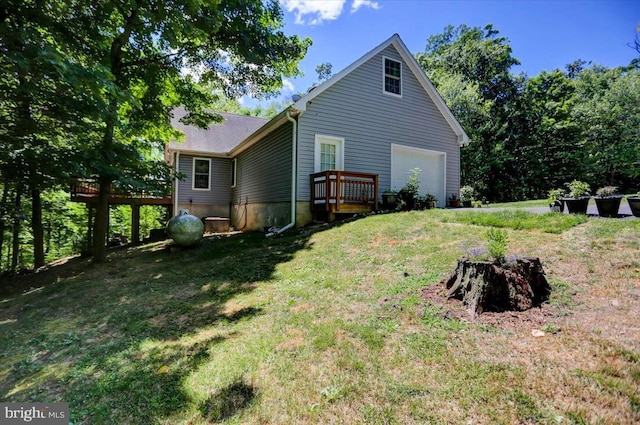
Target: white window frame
[(338, 142), (234, 172), (193, 174), (384, 76)]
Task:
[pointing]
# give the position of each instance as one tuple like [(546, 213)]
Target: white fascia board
[(200, 153)]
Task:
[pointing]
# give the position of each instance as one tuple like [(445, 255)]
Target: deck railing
[(335, 190), (88, 189)]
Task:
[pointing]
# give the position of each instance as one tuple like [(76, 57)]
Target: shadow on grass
[(228, 401), (117, 340)]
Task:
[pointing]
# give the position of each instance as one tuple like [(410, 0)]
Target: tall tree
[(324, 71), (134, 54), (549, 144), (35, 103), (140, 50), (472, 66), (607, 111)]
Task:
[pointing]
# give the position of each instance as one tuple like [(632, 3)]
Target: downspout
[(294, 171), (177, 183)]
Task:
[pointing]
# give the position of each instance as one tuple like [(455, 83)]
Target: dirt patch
[(296, 340), (451, 308)]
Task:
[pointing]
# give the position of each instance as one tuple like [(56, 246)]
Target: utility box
[(216, 225)]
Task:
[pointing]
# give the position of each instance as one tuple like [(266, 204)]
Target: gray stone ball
[(185, 229)]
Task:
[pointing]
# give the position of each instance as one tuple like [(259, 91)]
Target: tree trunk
[(37, 228), (15, 253), (101, 222), (492, 286), (102, 206), (3, 210)]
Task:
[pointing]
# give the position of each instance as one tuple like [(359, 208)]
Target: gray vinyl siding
[(264, 170), (370, 121), (220, 182)]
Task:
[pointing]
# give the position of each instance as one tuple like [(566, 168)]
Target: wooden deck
[(86, 191), (344, 192)]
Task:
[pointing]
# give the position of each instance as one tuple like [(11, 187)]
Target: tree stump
[(495, 286)]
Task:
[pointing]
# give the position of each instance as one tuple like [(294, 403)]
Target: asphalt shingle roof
[(218, 138)]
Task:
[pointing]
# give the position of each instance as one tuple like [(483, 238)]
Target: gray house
[(333, 151)]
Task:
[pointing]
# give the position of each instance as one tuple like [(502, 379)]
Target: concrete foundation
[(257, 216)]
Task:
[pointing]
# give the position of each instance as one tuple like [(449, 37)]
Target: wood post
[(90, 228), (135, 223)]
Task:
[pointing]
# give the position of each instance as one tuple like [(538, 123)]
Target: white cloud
[(357, 4), (319, 10), (287, 85), (314, 12)]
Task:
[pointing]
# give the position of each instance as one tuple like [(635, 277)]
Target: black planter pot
[(634, 204), (557, 206), (577, 205), (389, 200), (608, 207), (466, 204)]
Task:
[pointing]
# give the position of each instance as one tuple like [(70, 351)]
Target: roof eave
[(463, 139), (301, 104), (257, 135), (198, 153)]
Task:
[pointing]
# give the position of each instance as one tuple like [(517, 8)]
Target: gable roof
[(239, 132), (218, 138), (395, 41)]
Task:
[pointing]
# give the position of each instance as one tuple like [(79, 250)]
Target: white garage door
[(431, 165)]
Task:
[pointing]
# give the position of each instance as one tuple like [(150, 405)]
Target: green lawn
[(327, 325), (520, 204)]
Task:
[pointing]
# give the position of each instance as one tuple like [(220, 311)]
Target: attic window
[(392, 77)]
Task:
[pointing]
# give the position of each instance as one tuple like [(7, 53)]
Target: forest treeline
[(87, 88), (532, 134)]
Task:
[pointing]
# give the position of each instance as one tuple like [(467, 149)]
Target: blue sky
[(544, 35)]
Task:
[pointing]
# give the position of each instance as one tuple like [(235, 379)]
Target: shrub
[(607, 191), (412, 186), (466, 193), (497, 242), (578, 189), (556, 195)]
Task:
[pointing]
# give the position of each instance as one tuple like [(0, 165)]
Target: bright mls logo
[(34, 413)]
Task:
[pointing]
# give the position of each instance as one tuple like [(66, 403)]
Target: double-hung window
[(201, 174), (392, 70)]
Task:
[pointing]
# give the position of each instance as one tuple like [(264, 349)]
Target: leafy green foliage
[(578, 189), (497, 242), (530, 135), (88, 86), (607, 111)]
